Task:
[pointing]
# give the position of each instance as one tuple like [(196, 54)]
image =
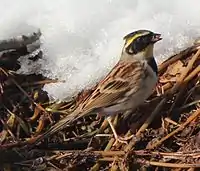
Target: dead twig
[(36, 104), (170, 165), (180, 128), (146, 124), (176, 57), (184, 73)]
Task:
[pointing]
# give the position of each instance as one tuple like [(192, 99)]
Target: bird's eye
[(139, 39)]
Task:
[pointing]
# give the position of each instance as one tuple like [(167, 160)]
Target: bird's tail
[(61, 125)]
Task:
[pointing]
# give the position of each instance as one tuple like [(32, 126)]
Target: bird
[(129, 83)]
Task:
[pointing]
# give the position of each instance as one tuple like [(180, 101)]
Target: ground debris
[(167, 127)]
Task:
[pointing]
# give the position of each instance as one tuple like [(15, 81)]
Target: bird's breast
[(146, 87), (150, 80)]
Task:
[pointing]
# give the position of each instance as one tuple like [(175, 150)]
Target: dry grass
[(167, 127)]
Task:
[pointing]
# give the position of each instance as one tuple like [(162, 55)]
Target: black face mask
[(139, 44)]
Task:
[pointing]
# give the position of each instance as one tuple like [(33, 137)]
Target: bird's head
[(139, 44)]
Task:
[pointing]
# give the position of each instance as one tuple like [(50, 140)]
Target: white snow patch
[(82, 40)]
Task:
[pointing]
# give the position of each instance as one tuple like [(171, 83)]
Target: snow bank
[(82, 40)]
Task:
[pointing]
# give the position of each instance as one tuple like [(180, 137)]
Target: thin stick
[(180, 128), (168, 85), (67, 153), (146, 124), (47, 81), (192, 74), (26, 94), (185, 72), (171, 165), (110, 156), (176, 57)]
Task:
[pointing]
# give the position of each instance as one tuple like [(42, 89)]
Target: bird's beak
[(156, 37)]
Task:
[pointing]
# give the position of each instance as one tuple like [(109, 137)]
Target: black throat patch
[(152, 63)]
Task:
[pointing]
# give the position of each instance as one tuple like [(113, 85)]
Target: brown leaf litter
[(167, 126)]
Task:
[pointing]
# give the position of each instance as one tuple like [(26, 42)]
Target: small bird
[(129, 83)]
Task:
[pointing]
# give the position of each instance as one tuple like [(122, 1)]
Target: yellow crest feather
[(130, 39)]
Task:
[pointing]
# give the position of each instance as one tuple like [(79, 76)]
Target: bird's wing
[(119, 84), (125, 77)]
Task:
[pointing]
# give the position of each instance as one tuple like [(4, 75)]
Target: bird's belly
[(145, 91), (148, 85)]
